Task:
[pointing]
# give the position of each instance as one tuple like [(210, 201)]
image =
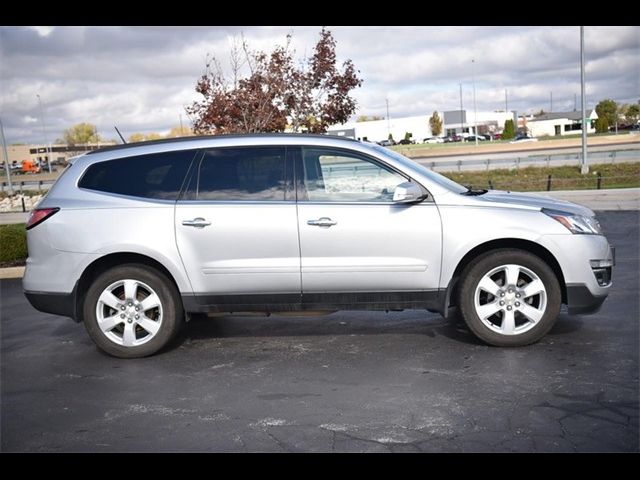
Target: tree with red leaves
[(275, 93)]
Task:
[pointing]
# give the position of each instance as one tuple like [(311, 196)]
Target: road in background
[(554, 157)]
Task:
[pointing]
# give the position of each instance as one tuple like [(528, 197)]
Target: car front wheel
[(509, 297)]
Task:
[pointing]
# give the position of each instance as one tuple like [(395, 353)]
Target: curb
[(11, 272)]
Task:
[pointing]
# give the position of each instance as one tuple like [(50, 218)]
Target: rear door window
[(239, 174)]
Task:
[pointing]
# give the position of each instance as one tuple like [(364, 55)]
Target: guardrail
[(22, 185), (488, 163)]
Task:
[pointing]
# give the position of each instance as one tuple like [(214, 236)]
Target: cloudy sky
[(140, 78)]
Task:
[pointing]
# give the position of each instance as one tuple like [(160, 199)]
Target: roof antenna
[(121, 137)]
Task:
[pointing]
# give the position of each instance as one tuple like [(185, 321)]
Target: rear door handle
[(198, 222), (322, 222)]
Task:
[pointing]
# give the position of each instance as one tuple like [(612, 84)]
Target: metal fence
[(588, 182), (488, 163), (30, 185)]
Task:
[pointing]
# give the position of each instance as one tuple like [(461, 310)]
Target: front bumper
[(586, 262), (580, 300)]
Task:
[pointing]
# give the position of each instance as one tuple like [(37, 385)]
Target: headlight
[(575, 223)]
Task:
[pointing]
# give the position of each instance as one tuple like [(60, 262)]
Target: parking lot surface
[(350, 381)]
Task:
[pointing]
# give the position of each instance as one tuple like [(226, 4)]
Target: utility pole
[(575, 102), (181, 130), (388, 121), (461, 112), (475, 111), (7, 167), (44, 133), (585, 165)]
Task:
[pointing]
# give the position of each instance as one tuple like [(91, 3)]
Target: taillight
[(39, 215)]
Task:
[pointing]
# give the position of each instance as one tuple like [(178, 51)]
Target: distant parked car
[(472, 138), (405, 141), (523, 138), (386, 143), (433, 140), (452, 139)]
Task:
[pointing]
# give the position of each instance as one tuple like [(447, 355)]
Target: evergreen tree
[(509, 130)]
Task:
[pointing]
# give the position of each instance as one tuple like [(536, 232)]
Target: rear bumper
[(56, 303), (580, 300)]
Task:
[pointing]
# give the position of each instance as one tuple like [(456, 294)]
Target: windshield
[(416, 167)]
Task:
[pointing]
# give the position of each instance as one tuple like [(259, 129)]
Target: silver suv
[(134, 239)]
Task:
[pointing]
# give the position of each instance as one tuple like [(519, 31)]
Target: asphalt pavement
[(347, 382)]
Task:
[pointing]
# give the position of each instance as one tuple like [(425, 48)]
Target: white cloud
[(140, 78), (43, 31)]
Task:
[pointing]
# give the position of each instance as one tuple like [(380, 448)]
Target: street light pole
[(6, 159), (461, 114), (44, 133), (475, 111), (585, 165), (388, 121)]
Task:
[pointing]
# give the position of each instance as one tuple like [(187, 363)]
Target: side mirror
[(408, 192)]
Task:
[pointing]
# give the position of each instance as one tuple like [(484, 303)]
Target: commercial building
[(377, 130), (59, 152), (460, 122), (561, 123), (453, 122)]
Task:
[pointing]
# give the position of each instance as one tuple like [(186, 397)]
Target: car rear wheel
[(132, 311), (509, 297)]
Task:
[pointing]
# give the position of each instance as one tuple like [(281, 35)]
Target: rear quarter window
[(156, 175)]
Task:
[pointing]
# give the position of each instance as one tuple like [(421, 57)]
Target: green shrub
[(13, 242), (509, 130)]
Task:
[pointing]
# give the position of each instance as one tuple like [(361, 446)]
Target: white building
[(453, 122), (377, 130), (561, 123), (462, 122)]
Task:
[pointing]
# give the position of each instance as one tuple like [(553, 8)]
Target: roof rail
[(209, 137)]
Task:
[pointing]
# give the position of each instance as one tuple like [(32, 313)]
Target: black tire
[(482, 265), (172, 319)]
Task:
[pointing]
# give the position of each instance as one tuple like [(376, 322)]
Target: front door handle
[(322, 222), (198, 222)]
